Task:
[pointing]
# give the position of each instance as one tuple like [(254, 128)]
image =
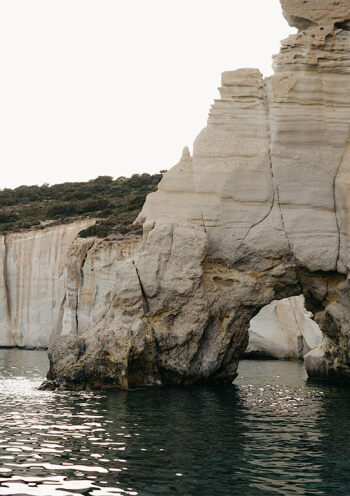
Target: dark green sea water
[(271, 433)]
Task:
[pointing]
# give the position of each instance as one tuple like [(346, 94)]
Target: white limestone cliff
[(32, 286), (283, 330), (57, 283), (259, 213)]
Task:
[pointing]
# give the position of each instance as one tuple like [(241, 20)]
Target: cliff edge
[(260, 212)]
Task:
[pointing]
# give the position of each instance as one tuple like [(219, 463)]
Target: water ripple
[(271, 433)]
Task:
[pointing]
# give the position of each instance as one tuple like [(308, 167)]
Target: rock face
[(283, 330), (32, 289), (259, 213), (91, 273)]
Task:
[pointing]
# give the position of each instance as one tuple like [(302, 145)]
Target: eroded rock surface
[(32, 286), (283, 330), (260, 212)]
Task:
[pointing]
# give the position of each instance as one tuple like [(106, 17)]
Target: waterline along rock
[(259, 212)]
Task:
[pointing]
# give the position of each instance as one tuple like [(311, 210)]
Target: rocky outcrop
[(91, 274), (259, 213), (283, 330), (32, 289)]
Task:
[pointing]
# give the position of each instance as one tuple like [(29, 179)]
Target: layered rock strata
[(260, 212), (283, 330)]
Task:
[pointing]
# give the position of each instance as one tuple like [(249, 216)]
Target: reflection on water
[(271, 433)]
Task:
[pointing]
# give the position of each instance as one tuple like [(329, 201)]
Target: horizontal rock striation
[(258, 213)]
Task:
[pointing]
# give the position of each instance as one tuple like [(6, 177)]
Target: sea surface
[(271, 433)]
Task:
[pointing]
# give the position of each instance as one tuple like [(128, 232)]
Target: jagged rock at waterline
[(283, 330), (260, 212)]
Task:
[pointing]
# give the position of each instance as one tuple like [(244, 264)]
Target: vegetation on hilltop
[(116, 203)]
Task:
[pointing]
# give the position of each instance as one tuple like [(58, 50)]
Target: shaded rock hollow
[(260, 212)]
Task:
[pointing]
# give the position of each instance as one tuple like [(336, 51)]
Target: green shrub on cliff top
[(116, 202)]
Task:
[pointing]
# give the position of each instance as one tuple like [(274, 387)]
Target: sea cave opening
[(283, 330)]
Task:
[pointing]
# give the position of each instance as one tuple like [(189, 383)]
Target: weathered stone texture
[(283, 330), (32, 286), (259, 213)]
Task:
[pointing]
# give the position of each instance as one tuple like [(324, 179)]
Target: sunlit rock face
[(283, 330), (260, 212), (91, 275), (33, 288), (316, 18)]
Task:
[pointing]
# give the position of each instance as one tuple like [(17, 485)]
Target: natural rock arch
[(259, 212)]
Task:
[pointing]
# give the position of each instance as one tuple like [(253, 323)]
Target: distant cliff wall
[(32, 286), (283, 330)]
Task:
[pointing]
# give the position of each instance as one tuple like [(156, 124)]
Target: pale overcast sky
[(116, 87)]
